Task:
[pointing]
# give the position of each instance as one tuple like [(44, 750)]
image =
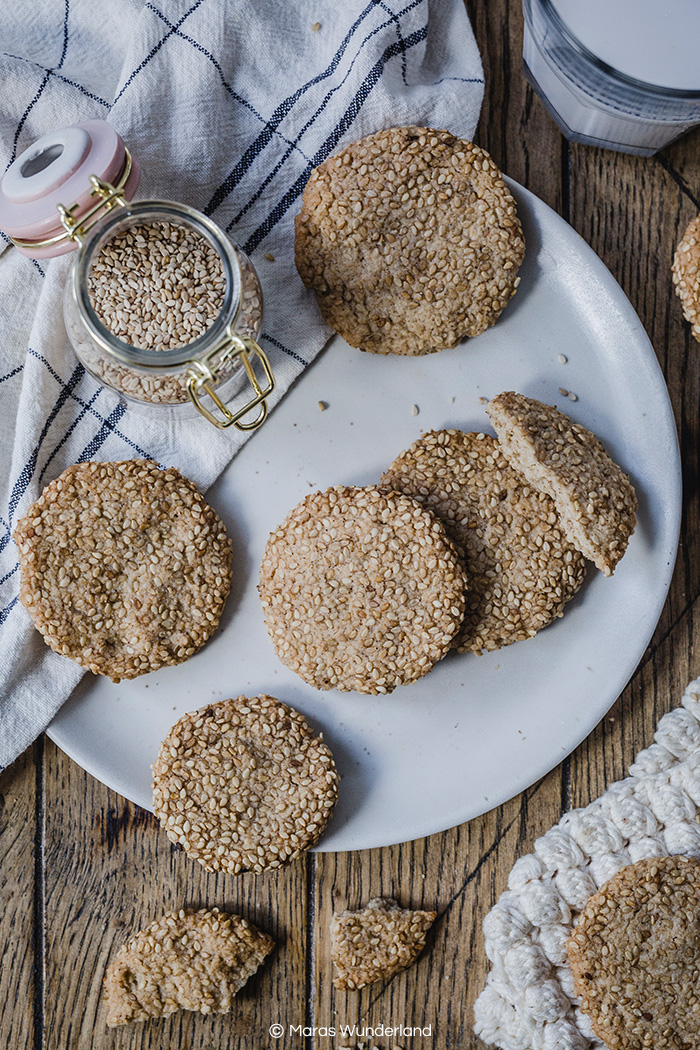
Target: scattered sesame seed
[(572, 396), (315, 27), (415, 410), (269, 256), (483, 401), (563, 391), (562, 359), (323, 405)]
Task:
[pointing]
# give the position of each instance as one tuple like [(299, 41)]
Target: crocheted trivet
[(528, 1002)]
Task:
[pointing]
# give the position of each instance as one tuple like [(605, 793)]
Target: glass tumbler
[(591, 94)]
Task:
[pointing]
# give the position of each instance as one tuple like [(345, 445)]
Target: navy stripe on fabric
[(70, 430), (65, 36), (261, 188), (26, 113), (4, 613), (7, 575), (14, 372), (234, 94), (285, 349), (36, 264), (239, 170), (154, 51), (21, 484), (103, 433), (117, 433), (58, 76), (395, 19), (331, 142)]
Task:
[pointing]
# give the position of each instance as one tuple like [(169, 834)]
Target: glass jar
[(207, 373), (222, 373)]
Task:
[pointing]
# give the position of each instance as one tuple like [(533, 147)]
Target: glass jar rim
[(643, 86), (152, 211)]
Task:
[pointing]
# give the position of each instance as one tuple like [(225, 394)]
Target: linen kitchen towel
[(228, 105)]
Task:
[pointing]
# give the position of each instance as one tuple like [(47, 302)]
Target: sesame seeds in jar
[(162, 307)]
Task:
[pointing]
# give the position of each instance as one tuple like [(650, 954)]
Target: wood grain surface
[(81, 868)]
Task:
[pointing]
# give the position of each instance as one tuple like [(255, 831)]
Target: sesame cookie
[(521, 568), (686, 275), (410, 240), (244, 785), (375, 943), (186, 960), (635, 956), (594, 498), (124, 567), (362, 590)]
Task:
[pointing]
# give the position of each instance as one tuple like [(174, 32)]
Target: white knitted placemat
[(528, 1001)]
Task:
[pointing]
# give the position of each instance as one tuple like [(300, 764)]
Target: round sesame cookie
[(686, 274), (124, 567), (521, 569), (635, 956), (244, 785), (594, 498), (362, 590), (410, 240)]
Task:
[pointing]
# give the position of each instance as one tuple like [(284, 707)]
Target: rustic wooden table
[(81, 867)]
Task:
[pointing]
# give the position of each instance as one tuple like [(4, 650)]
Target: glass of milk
[(623, 74)]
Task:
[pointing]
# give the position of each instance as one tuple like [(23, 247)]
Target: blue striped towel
[(228, 105)]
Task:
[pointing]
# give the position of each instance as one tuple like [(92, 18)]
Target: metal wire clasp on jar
[(159, 303), (164, 308)]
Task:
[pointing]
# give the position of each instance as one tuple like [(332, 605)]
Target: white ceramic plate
[(476, 730)]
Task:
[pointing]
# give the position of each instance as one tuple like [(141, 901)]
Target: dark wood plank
[(109, 872), (21, 976)]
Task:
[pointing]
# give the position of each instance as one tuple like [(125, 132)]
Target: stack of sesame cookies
[(410, 240), (468, 542)]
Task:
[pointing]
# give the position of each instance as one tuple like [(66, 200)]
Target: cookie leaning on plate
[(124, 567), (362, 590), (635, 956), (185, 960), (244, 785), (522, 570), (595, 500), (410, 240)]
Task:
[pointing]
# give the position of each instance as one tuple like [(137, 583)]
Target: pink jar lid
[(55, 170)]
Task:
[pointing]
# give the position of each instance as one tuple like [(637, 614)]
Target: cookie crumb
[(377, 942), (483, 401), (323, 405), (315, 27)]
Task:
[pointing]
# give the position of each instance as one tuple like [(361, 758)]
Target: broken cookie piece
[(594, 498), (376, 942), (186, 960)]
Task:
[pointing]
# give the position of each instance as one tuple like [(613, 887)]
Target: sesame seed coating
[(185, 960), (157, 285), (410, 240), (595, 500), (635, 956), (686, 275), (124, 567), (244, 785), (375, 943), (362, 590), (521, 569)]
